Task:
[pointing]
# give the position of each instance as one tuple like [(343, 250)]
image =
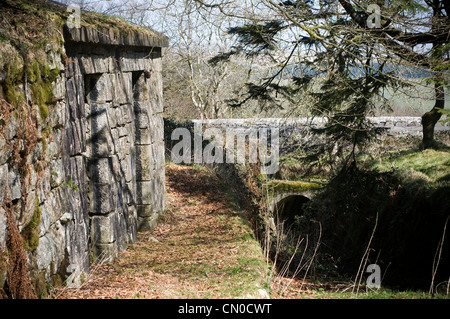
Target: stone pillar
[(143, 114), (112, 163), (147, 94), (126, 146)]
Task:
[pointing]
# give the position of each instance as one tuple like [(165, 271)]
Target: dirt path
[(201, 248)]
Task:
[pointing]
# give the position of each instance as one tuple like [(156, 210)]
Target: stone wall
[(123, 144), (96, 172)]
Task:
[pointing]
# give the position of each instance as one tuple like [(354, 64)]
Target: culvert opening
[(288, 208)]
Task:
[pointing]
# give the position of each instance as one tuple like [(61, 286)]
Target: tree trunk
[(430, 118)]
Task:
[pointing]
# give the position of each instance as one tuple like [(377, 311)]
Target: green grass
[(430, 165), (381, 293)]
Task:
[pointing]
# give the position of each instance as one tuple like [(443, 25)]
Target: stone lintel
[(107, 36)]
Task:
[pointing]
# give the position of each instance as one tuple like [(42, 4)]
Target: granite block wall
[(97, 172)]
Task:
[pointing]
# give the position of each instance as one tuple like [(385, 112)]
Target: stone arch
[(287, 208)]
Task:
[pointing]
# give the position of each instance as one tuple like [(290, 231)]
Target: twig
[(436, 262), (314, 254), (97, 263), (364, 258), (299, 241)]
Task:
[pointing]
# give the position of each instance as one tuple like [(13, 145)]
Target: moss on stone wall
[(30, 232), (28, 34), (55, 16), (12, 65), (290, 186)]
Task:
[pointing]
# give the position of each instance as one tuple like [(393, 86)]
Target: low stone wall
[(384, 121), (297, 131)]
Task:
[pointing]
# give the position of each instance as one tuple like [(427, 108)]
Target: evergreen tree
[(344, 53)]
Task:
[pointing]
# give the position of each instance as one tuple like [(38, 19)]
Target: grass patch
[(382, 293), (289, 186), (431, 165)]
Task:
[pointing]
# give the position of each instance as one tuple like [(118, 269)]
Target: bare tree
[(196, 33)]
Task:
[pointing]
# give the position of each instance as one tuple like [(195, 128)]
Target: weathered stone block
[(102, 229), (131, 224), (103, 198), (75, 97), (131, 132), (57, 114), (113, 120), (99, 116), (15, 187), (127, 168), (12, 127), (104, 253), (100, 88), (6, 151), (56, 204), (3, 180), (144, 211), (29, 210), (56, 172), (124, 147), (43, 187), (142, 107), (75, 169), (92, 65), (143, 137), (78, 246), (101, 138), (54, 146), (3, 231), (134, 61), (158, 156), (142, 121), (114, 135), (127, 113), (102, 170), (59, 87), (144, 190), (143, 162), (157, 105), (158, 194), (123, 131), (130, 193), (154, 133), (147, 223), (54, 59), (157, 128), (111, 229), (115, 168), (141, 88), (72, 67), (51, 248), (74, 139), (119, 116), (123, 88)]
